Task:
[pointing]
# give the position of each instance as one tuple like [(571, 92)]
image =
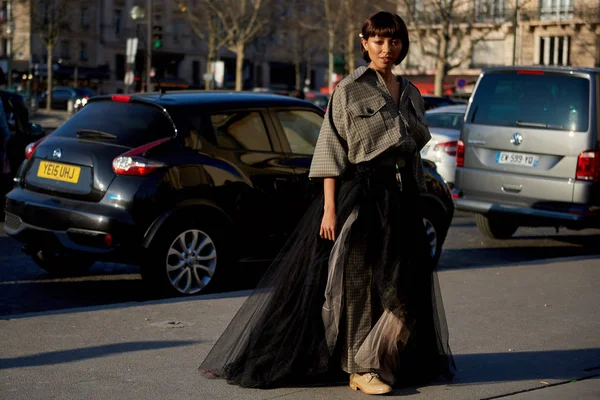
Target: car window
[(61, 94), (444, 120), (546, 101), (241, 130), (301, 129), (132, 124)]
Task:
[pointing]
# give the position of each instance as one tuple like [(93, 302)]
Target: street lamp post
[(138, 14), (10, 31)]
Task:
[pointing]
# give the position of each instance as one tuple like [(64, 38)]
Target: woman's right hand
[(328, 225)]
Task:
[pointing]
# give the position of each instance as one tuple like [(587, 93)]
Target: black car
[(183, 184)]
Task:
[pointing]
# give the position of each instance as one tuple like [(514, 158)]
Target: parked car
[(432, 102), (62, 95), (182, 183), (444, 124), (529, 153), (320, 100)]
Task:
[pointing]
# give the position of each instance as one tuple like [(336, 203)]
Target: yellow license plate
[(59, 172)]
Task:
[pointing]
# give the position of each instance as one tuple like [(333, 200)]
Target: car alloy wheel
[(191, 261), (432, 237)]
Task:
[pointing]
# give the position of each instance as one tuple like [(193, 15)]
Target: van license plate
[(521, 159), (59, 172)]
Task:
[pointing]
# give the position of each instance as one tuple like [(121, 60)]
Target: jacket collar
[(364, 70)]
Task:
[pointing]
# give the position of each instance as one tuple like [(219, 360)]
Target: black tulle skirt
[(291, 329)]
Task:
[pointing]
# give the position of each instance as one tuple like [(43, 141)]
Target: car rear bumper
[(40, 220), (578, 216)]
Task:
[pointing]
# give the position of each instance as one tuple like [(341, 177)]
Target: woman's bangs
[(388, 30)]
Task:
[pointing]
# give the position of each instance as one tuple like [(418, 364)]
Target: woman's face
[(383, 52)]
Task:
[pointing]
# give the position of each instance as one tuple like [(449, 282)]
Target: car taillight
[(448, 147), (131, 163), (121, 98), (460, 154), (588, 166), (30, 149)]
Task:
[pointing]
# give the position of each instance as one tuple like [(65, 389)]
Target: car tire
[(494, 228), (169, 269), (61, 264), (433, 219)]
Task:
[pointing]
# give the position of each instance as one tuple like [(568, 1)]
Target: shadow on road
[(66, 356)]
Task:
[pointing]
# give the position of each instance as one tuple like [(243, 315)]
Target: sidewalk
[(517, 332)]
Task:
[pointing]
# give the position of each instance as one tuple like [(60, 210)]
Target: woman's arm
[(329, 217)]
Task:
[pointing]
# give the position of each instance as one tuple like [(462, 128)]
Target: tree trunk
[(440, 63), (330, 45), (351, 63), (239, 67), (49, 73), (210, 58), (298, 79), (440, 75)]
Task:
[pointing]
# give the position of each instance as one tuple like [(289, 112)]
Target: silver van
[(529, 151)]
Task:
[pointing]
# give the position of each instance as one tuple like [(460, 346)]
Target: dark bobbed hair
[(387, 25)]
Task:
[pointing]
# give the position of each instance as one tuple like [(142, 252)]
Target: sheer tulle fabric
[(287, 332)]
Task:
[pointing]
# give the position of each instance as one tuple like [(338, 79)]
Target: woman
[(354, 288)]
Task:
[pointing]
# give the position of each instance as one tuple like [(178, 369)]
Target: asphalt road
[(26, 288)]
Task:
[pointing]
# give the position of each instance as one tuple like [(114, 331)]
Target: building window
[(85, 17), (65, 50), (552, 50), (415, 7), (117, 19), (556, 9), (490, 10), (83, 52), (488, 53)]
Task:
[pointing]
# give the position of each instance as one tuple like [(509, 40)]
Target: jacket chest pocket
[(368, 121)]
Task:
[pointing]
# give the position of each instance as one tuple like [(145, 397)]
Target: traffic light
[(157, 36)]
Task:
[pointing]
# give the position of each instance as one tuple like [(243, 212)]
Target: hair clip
[(361, 35)]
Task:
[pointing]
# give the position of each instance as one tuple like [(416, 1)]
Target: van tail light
[(588, 166), (460, 154), (447, 147), (132, 162), (31, 147)]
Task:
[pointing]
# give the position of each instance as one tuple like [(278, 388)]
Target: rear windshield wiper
[(539, 125), (93, 133)]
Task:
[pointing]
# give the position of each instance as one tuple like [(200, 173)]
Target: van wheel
[(61, 264), (494, 228), (185, 258)]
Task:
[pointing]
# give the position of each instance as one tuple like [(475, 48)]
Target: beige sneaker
[(369, 383)]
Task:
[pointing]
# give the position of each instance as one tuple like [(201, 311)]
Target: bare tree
[(447, 30), (355, 12), (207, 26), (242, 21), (51, 18), (331, 22), (301, 34)]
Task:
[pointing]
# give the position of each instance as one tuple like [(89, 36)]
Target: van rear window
[(127, 124), (549, 101)]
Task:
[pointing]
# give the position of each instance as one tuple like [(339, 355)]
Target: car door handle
[(512, 188)]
